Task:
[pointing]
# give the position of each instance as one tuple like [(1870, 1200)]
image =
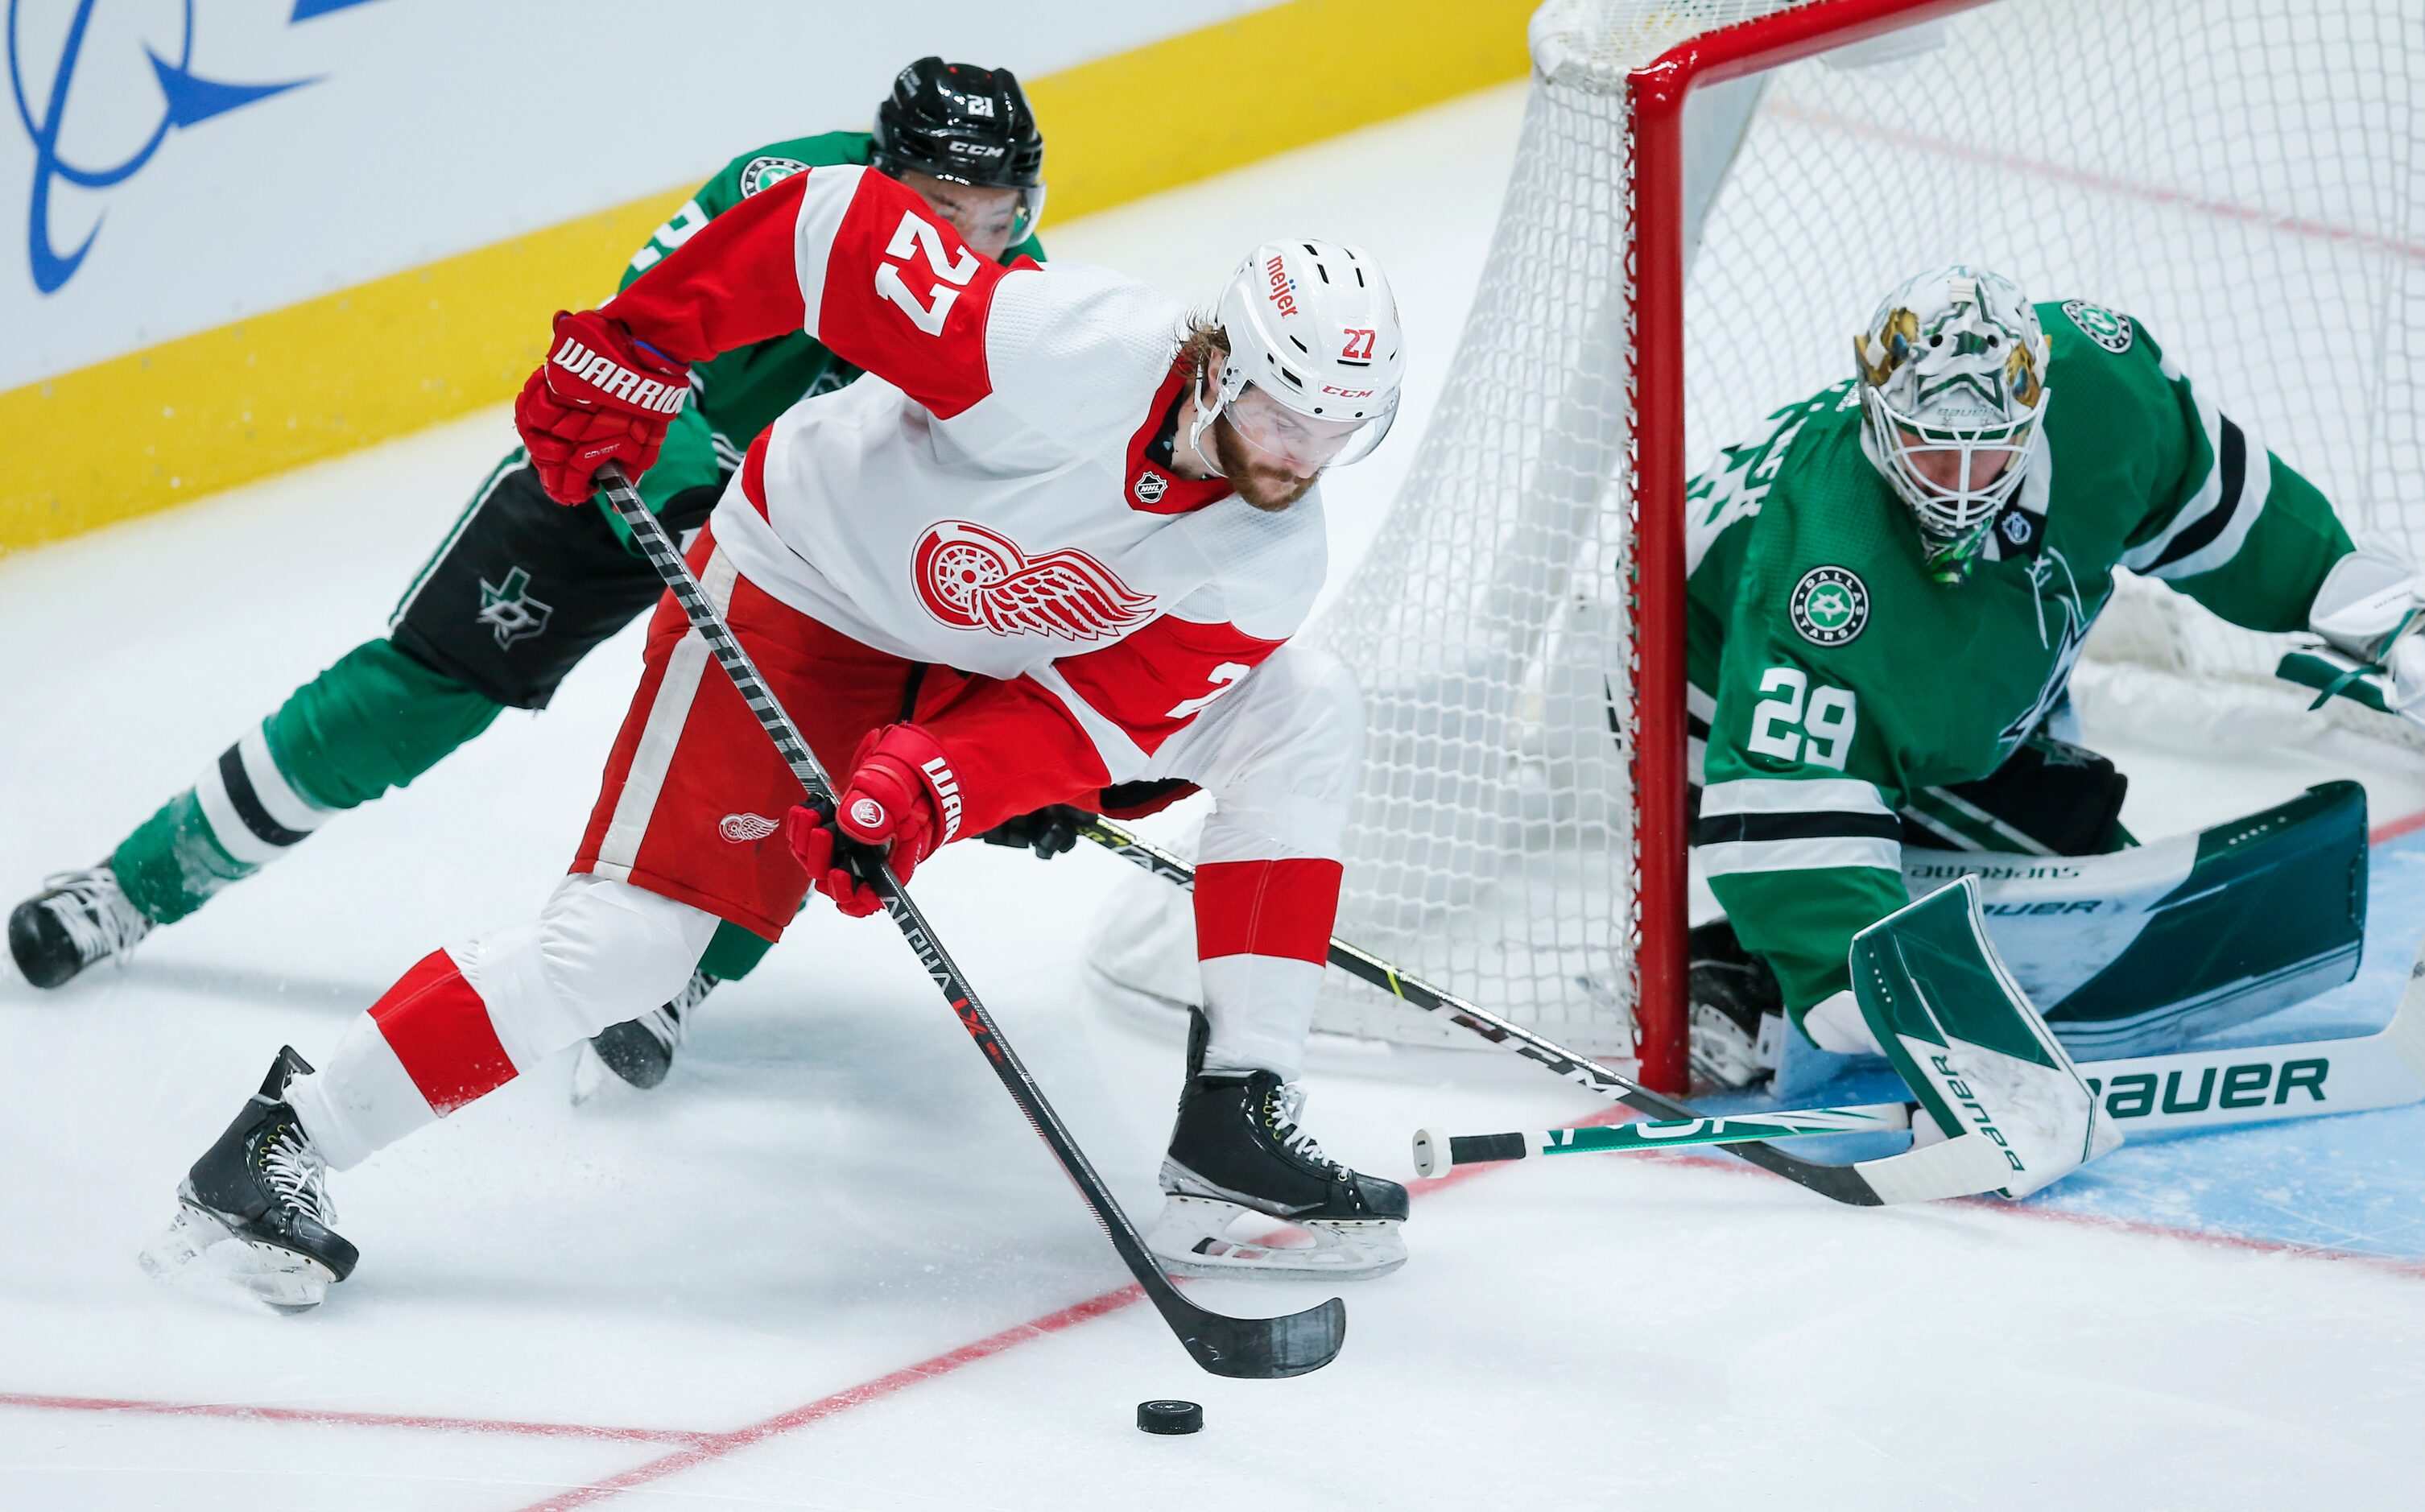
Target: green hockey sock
[(375, 720), (735, 953)]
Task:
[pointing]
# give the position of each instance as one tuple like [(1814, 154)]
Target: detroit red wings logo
[(971, 578)]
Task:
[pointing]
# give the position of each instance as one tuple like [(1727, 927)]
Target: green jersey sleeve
[(2227, 523), (1796, 830)]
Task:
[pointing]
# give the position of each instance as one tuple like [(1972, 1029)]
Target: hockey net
[(2243, 176)]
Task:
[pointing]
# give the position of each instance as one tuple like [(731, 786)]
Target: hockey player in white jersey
[(1056, 541)]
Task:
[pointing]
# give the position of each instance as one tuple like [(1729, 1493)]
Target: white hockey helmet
[(1954, 363), (1315, 353)]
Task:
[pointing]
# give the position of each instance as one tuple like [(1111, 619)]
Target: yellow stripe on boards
[(307, 381), (1171, 112), (303, 382)]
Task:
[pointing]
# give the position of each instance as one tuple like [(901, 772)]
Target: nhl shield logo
[(1149, 487), (1830, 605)]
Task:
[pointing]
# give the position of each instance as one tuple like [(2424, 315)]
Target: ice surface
[(721, 1294)]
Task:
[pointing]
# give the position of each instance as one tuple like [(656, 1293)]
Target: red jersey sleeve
[(848, 256), (1060, 734)]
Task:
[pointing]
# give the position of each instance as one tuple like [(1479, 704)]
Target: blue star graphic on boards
[(186, 99)]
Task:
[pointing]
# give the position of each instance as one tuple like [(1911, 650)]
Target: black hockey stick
[(1867, 1183), (1253, 1348)]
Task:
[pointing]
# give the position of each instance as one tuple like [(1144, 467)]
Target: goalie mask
[(1315, 354), (1952, 385)]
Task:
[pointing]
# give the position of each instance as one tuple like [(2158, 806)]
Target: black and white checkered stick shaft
[(1249, 1347)]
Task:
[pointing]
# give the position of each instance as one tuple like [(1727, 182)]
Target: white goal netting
[(2243, 176)]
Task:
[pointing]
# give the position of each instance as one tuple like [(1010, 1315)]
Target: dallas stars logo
[(510, 611), (2101, 326), (766, 172), (1830, 605)]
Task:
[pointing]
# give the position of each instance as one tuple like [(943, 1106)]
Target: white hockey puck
[(1169, 1417)]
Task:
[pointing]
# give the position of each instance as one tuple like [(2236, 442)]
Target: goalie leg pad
[(1967, 1043)]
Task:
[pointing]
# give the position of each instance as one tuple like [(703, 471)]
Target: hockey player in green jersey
[(522, 588), (1889, 590)]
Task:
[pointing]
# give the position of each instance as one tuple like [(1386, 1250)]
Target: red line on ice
[(366, 1420), (716, 1446)]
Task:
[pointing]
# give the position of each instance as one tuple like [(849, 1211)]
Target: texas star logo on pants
[(509, 610), (1829, 605), (971, 578)]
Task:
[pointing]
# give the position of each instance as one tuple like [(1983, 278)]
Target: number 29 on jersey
[(1797, 722)]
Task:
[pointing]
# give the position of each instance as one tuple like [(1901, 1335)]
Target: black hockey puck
[(1169, 1417)]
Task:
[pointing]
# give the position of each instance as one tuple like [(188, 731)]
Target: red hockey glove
[(601, 397), (901, 801)]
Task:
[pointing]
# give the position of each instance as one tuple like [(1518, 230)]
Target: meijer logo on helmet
[(1283, 291)]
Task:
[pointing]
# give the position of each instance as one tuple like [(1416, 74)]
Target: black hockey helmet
[(967, 124)]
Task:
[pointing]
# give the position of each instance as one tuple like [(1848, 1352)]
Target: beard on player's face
[(1258, 477)]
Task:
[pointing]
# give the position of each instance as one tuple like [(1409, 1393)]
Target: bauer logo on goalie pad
[(971, 578), (2103, 327), (741, 829), (1830, 605)]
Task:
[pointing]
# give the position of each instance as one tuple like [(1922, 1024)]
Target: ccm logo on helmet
[(1347, 394), (1283, 291)]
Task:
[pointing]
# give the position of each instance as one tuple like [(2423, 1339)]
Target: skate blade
[(1192, 1238), (590, 1076), (197, 1244)]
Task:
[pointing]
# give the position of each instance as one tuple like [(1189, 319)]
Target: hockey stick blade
[(1249, 1348), (1257, 1349)]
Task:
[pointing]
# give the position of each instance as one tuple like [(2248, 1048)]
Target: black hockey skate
[(640, 1051), (77, 919), (1737, 1009), (1238, 1149), (264, 1188)]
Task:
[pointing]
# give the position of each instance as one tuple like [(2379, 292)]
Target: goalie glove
[(2371, 610)]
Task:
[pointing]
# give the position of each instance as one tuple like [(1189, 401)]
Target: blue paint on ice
[(2354, 1183)]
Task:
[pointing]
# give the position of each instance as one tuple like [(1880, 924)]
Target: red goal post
[(1658, 92)]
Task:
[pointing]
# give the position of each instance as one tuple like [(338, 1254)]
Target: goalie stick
[(2184, 1091), (1914, 1176), (1251, 1348)]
